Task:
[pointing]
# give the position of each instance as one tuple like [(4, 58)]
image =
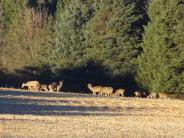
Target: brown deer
[(106, 90), (58, 88), (164, 95), (119, 92), (32, 85), (94, 89), (44, 87), (138, 94), (153, 95), (52, 87)]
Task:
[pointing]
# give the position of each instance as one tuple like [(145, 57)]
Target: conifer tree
[(161, 65), (71, 18), (107, 31), (114, 35)]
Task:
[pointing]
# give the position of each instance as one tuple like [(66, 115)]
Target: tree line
[(136, 44)]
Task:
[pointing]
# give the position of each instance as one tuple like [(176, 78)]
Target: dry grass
[(40, 114)]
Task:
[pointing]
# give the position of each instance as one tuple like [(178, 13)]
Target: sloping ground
[(41, 114)]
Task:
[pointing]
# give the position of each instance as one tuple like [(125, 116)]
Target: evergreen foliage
[(101, 41), (113, 35), (106, 31), (161, 65), (71, 19)]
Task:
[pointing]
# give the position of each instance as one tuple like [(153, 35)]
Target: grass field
[(57, 115)]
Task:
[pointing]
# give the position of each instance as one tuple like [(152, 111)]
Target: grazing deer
[(138, 94), (59, 86), (106, 90), (152, 95), (94, 89), (119, 92), (102, 91), (44, 87), (32, 85), (164, 95), (52, 87)]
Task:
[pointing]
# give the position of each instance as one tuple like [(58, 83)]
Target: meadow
[(26, 114)]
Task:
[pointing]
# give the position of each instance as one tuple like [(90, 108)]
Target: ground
[(58, 115)]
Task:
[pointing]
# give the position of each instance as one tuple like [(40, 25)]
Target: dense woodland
[(134, 44)]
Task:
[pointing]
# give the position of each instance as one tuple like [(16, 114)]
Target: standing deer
[(52, 87), (138, 94), (164, 95), (106, 90), (152, 95), (94, 89), (119, 92), (32, 85), (59, 86), (44, 87)]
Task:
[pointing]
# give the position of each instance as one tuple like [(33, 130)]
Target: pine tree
[(161, 65), (71, 18), (114, 35)]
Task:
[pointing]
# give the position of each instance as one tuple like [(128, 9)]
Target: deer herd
[(103, 90), (96, 90), (36, 86)]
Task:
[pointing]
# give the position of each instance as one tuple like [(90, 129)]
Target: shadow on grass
[(66, 107), (46, 94), (18, 106)]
